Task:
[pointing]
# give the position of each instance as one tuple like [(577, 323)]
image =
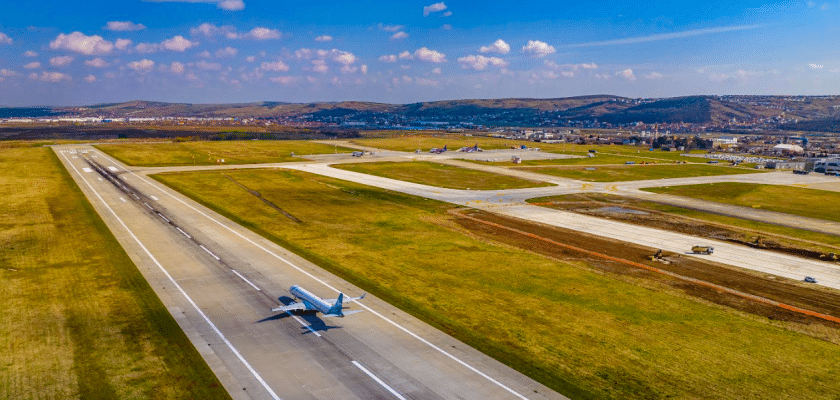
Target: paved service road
[(220, 281)]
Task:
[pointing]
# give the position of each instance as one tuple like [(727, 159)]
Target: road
[(219, 281)]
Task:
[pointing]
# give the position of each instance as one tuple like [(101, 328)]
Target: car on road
[(810, 279), (712, 162), (702, 249), (801, 172)]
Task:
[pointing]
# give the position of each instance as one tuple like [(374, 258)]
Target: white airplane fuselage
[(311, 301)]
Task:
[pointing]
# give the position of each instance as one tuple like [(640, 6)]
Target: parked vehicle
[(801, 172), (702, 249), (810, 279)]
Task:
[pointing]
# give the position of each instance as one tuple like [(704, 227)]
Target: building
[(788, 149), (787, 165)]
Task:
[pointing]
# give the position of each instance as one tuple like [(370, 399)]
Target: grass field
[(582, 332), (206, 153), (441, 175), (639, 172), (78, 318), (820, 204)]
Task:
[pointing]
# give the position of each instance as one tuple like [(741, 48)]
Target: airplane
[(472, 149), (311, 302), (438, 151)]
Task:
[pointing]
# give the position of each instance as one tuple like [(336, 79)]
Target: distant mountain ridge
[(616, 110)]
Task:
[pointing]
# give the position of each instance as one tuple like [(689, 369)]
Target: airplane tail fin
[(336, 308)]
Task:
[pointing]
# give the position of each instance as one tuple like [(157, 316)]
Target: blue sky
[(208, 51)]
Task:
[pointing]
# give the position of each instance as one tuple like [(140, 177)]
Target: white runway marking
[(123, 200), (209, 252), (113, 169), (154, 198), (136, 196), (164, 218), (87, 169), (150, 207), (379, 381), (99, 178), (305, 325), (184, 233), (386, 319), (245, 279), (180, 289)]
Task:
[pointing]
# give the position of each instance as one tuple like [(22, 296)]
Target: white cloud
[(90, 79), (146, 48), (627, 74), (229, 5), (538, 48), (258, 33), (81, 43), (47, 76), (61, 61), (436, 71), (654, 75), (427, 82), (480, 62), (5, 39), (122, 44), (251, 58), (226, 52), (274, 66), (210, 30), (391, 28), (399, 35), (388, 58), (668, 36), (176, 68), (8, 72), (446, 14), (446, 27), (347, 69), (123, 26), (363, 68), (816, 66), (324, 38), (343, 57), (573, 67), (499, 47), (320, 66), (143, 65), (405, 67), (284, 80), (32, 65), (178, 43), (208, 66), (30, 53), (433, 8), (425, 54), (405, 55)]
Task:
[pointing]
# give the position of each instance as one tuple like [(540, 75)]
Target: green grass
[(584, 333), (639, 172), (78, 318), (441, 175), (781, 234), (812, 203), (207, 153)]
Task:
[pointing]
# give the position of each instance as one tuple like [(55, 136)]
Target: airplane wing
[(290, 307), (344, 314), (346, 300)]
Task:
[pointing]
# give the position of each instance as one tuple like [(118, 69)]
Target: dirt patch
[(824, 301)]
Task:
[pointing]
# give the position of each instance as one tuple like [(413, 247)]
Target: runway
[(220, 280)]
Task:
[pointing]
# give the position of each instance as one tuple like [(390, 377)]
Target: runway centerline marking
[(147, 205), (180, 289), (379, 381), (398, 326), (184, 233), (164, 218), (305, 325), (123, 200), (209, 252), (245, 279)]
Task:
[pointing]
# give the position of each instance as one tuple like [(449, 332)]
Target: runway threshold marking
[(245, 279), (209, 252), (379, 381), (374, 312), (180, 289)]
